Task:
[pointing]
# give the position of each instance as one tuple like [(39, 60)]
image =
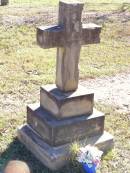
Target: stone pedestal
[(4, 2), (50, 130)]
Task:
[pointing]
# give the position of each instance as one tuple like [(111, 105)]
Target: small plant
[(74, 149)]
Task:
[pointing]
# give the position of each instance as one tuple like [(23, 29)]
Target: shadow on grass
[(17, 151)]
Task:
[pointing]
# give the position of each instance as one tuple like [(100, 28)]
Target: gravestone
[(66, 110), (4, 2)]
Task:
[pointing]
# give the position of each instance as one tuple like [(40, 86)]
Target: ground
[(104, 67), (114, 90)]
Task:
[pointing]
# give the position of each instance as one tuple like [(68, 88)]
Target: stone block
[(58, 132), (56, 157), (64, 105)]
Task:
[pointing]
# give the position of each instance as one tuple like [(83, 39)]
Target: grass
[(117, 124), (24, 64), (55, 2), (98, 5), (24, 67), (101, 63)]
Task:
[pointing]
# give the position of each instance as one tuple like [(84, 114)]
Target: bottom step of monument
[(56, 157)]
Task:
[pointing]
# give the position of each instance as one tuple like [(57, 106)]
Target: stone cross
[(68, 36)]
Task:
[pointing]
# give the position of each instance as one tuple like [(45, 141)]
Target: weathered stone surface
[(53, 36), (49, 36), (56, 132), (4, 2), (52, 157), (67, 73), (68, 36), (56, 157), (63, 105), (91, 33)]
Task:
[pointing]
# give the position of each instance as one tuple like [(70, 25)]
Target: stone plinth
[(64, 105), (56, 157), (55, 132)]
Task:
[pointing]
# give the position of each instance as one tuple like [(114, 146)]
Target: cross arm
[(53, 36), (90, 33), (49, 36)]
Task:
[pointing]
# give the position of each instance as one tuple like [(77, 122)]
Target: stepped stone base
[(56, 157), (69, 104), (55, 132)]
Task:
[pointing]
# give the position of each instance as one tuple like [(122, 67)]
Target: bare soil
[(50, 15), (113, 90)]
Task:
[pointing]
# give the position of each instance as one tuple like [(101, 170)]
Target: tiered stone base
[(59, 120), (56, 157)]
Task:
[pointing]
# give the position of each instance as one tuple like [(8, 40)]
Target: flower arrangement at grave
[(89, 157)]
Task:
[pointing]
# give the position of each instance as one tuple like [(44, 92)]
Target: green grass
[(24, 66)]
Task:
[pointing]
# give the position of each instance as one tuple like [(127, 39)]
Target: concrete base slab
[(56, 157)]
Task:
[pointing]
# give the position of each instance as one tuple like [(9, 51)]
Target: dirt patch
[(31, 16), (18, 16), (113, 90), (101, 17)]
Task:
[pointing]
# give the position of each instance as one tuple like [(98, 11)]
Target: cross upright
[(68, 36)]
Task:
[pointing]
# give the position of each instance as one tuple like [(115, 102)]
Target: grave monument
[(66, 111)]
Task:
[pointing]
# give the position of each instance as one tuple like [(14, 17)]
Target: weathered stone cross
[(68, 36)]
